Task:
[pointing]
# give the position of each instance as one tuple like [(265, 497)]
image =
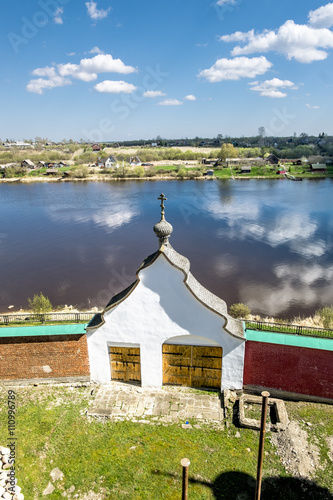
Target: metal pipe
[(185, 463), (265, 396)]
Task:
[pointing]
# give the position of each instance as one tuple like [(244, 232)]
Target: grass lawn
[(127, 460), (42, 170), (167, 167)]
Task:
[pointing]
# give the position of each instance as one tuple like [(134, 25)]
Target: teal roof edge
[(34, 331), (292, 340)]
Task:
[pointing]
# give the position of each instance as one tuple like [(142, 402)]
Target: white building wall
[(162, 308)]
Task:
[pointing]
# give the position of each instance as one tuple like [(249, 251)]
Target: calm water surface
[(264, 243)]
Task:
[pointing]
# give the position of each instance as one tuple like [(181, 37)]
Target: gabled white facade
[(165, 304)]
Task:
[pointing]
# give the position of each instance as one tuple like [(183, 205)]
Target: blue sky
[(122, 70)]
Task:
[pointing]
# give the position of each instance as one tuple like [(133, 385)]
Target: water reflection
[(110, 218), (266, 243), (307, 274), (273, 300), (246, 219)]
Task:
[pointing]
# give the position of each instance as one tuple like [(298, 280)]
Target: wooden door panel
[(192, 366), (125, 364)]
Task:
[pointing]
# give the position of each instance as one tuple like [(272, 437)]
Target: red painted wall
[(289, 368)]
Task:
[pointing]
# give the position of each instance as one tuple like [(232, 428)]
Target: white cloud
[(153, 93), (115, 87), (38, 85), (234, 69), (48, 71), (96, 50), (190, 97), (87, 70), (270, 88), (170, 102), (311, 107), (94, 13), (73, 70), (301, 42), (322, 17), (71, 54), (224, 2), (58, 15), (104, 63)]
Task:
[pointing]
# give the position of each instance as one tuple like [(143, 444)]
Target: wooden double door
[(125, 364), (192, 366)]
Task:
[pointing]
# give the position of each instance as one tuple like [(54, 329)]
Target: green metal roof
[(33, 331), (287, 339)]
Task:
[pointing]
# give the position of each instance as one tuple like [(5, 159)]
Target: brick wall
[(288, 368), (46, 356)]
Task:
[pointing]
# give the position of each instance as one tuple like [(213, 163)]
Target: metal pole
[(265, 396), (185, 463)]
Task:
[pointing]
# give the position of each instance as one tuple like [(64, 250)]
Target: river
[(266, 243)]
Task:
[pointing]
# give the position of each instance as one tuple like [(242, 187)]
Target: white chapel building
[(166, 328)]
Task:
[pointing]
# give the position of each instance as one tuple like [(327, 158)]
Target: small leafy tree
[(40, 304), (239, 310), (151, 172), (228, 151), (326, 316), (182, 172), (138, 171)]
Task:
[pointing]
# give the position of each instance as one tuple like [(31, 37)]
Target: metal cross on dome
[(163, 198)]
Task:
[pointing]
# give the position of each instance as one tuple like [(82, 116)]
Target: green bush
[(79, 172), (239, 311), (138, 171), (11, 172), (326, 316), (40, 304), (182, 172), (151, 172)]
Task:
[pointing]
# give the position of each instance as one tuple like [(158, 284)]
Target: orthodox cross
[(162, 198)]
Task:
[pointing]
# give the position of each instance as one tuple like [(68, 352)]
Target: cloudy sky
[(123, 69)]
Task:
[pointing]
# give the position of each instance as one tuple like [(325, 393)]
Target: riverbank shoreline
[(105, 178), (311, 321)]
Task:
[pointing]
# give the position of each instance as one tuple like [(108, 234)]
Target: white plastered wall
[(161, 307)]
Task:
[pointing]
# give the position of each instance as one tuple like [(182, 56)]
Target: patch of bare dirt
[(299, 457)]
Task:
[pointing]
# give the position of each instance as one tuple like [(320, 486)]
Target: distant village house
[(318, 167), (135, 161), (27, 164), (111, 162)]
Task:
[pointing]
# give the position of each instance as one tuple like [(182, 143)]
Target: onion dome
[(163, 229)]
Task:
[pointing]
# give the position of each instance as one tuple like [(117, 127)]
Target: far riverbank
[(314, 321), (109, 178)]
